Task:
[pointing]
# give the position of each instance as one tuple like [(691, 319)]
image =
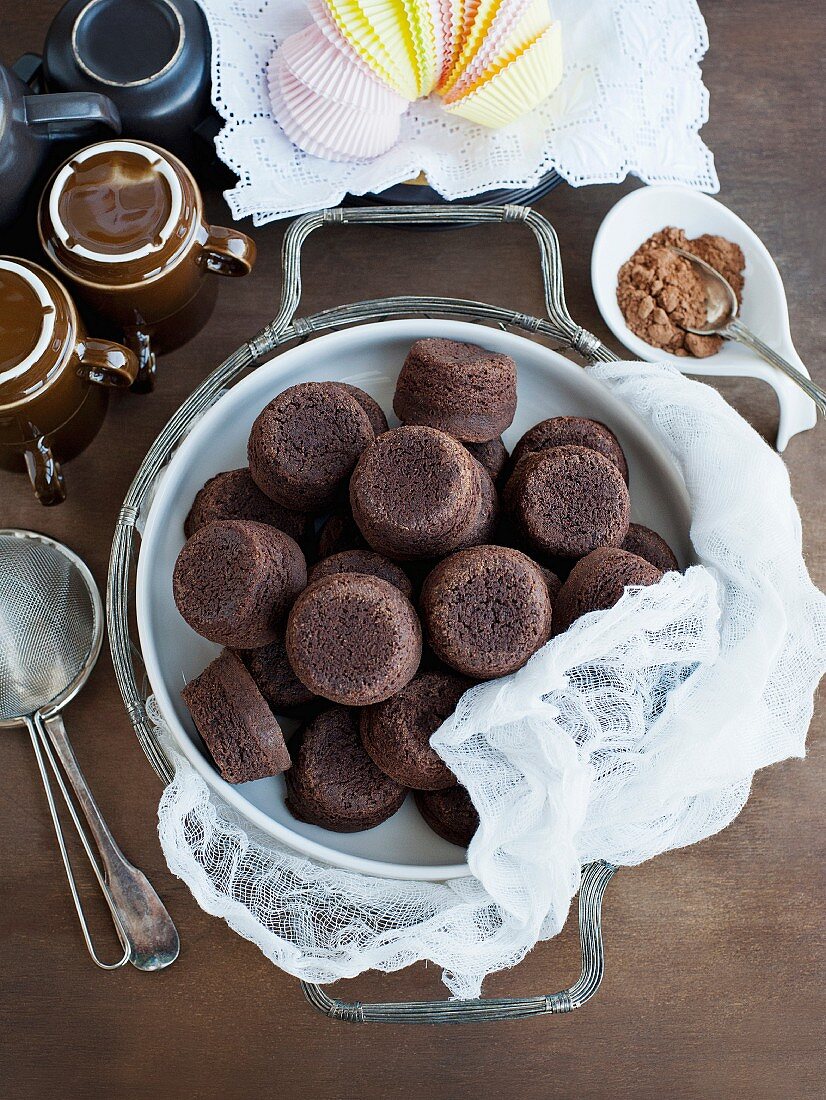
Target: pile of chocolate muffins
[(362, 578)]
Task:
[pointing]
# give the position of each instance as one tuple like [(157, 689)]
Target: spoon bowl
[(721, 301)]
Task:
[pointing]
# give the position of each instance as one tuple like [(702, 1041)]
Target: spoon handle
[(736, 330), (141, 915)]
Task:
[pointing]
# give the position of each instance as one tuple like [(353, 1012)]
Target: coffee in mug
[(123, 222)]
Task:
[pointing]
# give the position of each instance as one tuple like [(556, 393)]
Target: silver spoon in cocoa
[(722, 320)]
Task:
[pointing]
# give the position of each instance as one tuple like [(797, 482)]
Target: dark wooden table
[(714, 954)]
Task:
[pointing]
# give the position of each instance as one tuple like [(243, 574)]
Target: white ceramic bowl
[(369, 356), (649, 209)]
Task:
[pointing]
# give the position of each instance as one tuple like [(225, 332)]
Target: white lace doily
[(631, 100)]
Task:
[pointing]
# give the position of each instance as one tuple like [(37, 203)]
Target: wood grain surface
[(714, 980)]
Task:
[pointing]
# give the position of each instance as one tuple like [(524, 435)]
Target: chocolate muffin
[(450, 813), (397, 732), (568, 500), (553, 582), (354, 639), (647, 544), (363, 561), (462, 389), (237, 726), (305, 443), (598, 581), (493, 455), (415, 493), (375, 413), (486, 513), (339, 532), (486, 611), (235, 580), (234, 495), (333, 782), (270, 667), (577, 431)]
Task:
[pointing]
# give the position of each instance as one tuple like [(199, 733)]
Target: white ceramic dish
[(649, 209), (369, 356)]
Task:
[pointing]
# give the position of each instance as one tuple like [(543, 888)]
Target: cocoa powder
[(660, 294)]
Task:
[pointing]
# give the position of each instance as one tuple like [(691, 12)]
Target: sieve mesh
[(49, 623)]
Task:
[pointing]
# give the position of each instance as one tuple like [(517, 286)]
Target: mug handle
[(108, 364), (139, 342), (44, 472), (228, 252), (68, 114)]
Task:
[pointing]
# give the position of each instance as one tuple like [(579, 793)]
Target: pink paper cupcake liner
[(343, 130), (332, 74)]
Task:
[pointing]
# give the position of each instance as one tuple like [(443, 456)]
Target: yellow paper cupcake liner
[(380, 33), (518, 87), (520, 38), (513, 29), (420, 20)]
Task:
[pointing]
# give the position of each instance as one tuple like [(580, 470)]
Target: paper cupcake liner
[(484, 12), (341, 128), (331, 73), (313, 112), (379, 30), (357, 42), (440, 18), (449, 14), (518, 87), (470, 9), (424, 30), (310, 144), (304, 102), (480, 70), (287, 123), (323, 19), (340, 86), (514, 27)]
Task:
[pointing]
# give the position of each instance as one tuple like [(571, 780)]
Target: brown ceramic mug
[(123, 221), (54, 378)]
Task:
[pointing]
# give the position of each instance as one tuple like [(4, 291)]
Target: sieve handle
[(138, 911), (595, 878), (42, 751)]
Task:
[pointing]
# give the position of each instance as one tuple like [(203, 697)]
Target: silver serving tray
[(557, 326)]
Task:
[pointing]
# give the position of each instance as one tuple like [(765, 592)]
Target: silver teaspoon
[(722, 320)]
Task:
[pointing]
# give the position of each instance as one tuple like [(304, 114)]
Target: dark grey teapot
[(30, 122)]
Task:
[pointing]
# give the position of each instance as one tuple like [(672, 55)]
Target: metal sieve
[(51, 631)]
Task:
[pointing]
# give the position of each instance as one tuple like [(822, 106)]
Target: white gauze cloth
[(637, 731), (631, 100)]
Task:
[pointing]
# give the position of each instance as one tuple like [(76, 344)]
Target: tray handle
[(595, 878), (559, 321)]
